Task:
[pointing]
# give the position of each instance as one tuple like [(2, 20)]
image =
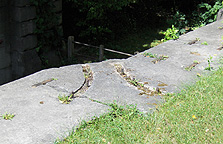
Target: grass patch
[(195, 115)]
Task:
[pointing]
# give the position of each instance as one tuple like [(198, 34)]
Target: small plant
[(155, 43), (210, 13), (189, 68), (196, 62), (8, 116), (65, 99), (198, 39), (149, 55), (164, 57), (198, 75), (170, 33), (209, 64), (221, 60), (204, 43), (145, 45), (86, 75), (135, 82)]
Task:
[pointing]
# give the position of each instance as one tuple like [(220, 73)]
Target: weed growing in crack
[(204, 43), (189, 68), (8, 116), (65, 99), (135, 82), (209, 64), (149, 55)]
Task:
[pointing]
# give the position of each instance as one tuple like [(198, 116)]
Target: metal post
[(101, 52), (70, 49)]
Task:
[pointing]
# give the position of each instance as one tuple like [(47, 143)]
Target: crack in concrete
[(192, 66), (42, 83), (88, 74), (193, 41), (220, 48), (141, 86)]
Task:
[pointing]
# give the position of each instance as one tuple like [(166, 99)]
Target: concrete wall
[(18, 56), (5, 57), (23, 41)]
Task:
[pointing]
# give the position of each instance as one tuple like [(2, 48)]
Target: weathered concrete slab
[(40, 117), (172, 70), (108, 86), (68, 78)]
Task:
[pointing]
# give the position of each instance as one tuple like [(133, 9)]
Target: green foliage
[(193, 115), (135, 82), (170, 33), (209, 64), (180, 24), (204, 43), (155, 43), (95, 16), (48, 35), (149, 55), (210, 12), (221, 60), (65, 99), (179, 20)]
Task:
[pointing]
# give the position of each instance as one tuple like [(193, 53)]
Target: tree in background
[(93, 18), (97, 20)]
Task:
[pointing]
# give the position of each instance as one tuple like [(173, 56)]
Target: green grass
[(194, 115)]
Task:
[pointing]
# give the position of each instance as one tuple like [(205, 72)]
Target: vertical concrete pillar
[(5, 57), (24, 58)]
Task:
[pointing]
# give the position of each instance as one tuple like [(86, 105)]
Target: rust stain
[(195, 53)]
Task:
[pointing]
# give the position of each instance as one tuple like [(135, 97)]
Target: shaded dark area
[(115, 28)]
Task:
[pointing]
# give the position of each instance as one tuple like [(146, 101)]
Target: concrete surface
[(40, 118)]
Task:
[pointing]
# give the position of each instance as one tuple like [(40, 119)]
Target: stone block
[(3, 3), (24, 28), (60, 18), (2, 27), (4, 56), (25, 63), (3, 14), (220, 15), (58, 6), (21, 14), (23, 43), (5, 75), (21, 3), (2, 39)]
